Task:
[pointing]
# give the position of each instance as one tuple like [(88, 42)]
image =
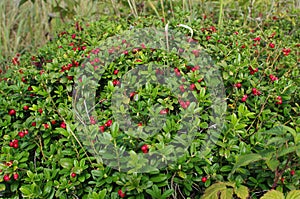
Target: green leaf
[(246, 159), (2, 187), (26, 190), (159, 178), (66, 163), (295, 194), (272, 164), (273, 195), (242, 192), (288, 150)]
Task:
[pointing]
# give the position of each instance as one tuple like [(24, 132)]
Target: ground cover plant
[(53, 147)]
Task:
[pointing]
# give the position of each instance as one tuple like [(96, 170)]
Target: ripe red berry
[(102, 128), (244, 98), (46, 126), (144, 147), (279, 100), (92, 120), (271, 45), (282, 179), (25, 108), (12, 112), (181, 87), (63, 125), (116, 82), (273, 78), (6, 178), (238, 85), (73, 175), (15, 145), (21, 134), (192, 87), (33, 124), (164, 111), (293, 172), (40, 111), (16, 176), (132, 94), (204, 179), (11, 144), (26, 132), (116, 72), (53, 122), (140, 124), (108, 123), (121, 193)]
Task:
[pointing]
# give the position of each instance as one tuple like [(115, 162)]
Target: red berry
[(73, 175), (33, 124), (293, 172), (181, 87), (271, 45), (92, 120), (204, 179), (256, 39), (131, 95), (144, 147), (121, 193), (26, 132), (40, 111), (53, 122), (282, 179), (21, 134), (46, 126), (116, 82), (12, 112), (102, 128), (63, 125), (140, 124), (116, 72), (23, 79), (108, 123), (244, 98), (16, 176), (25, 108), (15, 145), (6, 178), (11, 144), (192, 87), (163, 111), (238, 85)]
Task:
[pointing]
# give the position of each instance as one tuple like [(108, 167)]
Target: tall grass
[(27, 27), (22, 29)]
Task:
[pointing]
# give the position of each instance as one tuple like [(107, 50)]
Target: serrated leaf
[(273, 195), (227, 194), (295, 194), (242, 192), (288, 150), (213, 191)]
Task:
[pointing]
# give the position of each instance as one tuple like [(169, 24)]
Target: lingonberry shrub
[(260, 135)]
